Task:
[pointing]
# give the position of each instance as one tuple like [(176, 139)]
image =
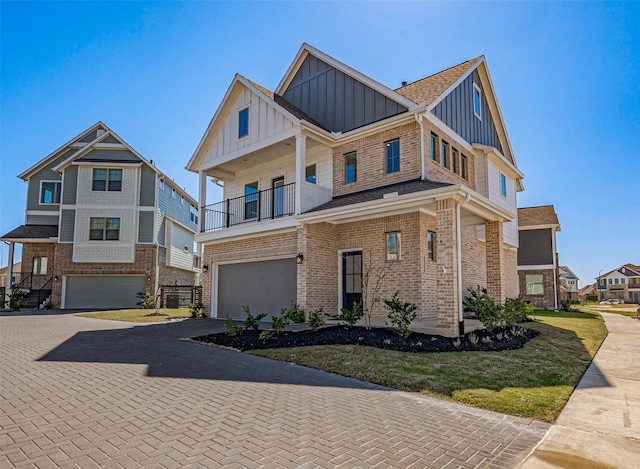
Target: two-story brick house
[(101, 224), (333, 173)]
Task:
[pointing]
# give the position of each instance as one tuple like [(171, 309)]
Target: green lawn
[(534, 382), (139, 315), (631, 314)]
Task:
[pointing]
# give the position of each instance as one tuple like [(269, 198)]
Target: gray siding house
[(102, 223)]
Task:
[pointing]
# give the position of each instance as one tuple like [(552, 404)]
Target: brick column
[(495, 260), (446, 252)]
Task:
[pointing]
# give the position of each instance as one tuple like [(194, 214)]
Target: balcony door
[(277, 194), (351, 278)]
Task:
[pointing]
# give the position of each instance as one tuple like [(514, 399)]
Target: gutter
[(459, 259), (418, 118)]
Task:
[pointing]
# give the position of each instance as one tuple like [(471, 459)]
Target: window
[(463, 167), (392, 159), (181, 200), (173, 193), (104, 229), (433, 147), (622, 281), (444, 153), (431, 245), (107, 180), (39, 265), (454, 160), (193, 214), (243, 123), (161, 184), (393, 246), (350, 169), (50, 192), (310, 173), (251, 201), (503, 185), (610, 281), (477, 101), (535, 285), (615, 281)]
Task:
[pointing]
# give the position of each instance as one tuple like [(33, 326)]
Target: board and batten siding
[(536, 247), (45, 174), (265, 121), (146, 224), (456, 110), (67, 226), (173, 207), (180, 247), (124, 155), (70, 187), (147, 187), (335, 100)]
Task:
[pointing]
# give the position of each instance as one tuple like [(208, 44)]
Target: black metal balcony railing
[(261, 205)]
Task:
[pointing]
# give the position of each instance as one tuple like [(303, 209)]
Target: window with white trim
[(107, 179), (193, 214), (310, 173), (243, 122), (50, 192), (161, 184), (39, 265), (181, 200), (104, 229), (503, 185), (393, 246), (534, 284), (477, 101)]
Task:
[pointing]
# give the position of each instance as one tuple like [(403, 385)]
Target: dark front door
[(351, 278)]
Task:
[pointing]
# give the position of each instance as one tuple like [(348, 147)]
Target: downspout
[(418, 118), (459, 256)]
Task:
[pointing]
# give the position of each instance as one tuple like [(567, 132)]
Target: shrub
[(147, 300), (483, 307), (565, 305), (515, 310), (15, 299), (278, 323), (232, 327), (400, 315), (294, 314), (316, 319), (48, 305), (252, 322), (351, 316), (196, 310)]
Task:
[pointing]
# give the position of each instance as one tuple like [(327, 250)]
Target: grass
[(631, 314), (139, 315), (533, 382)]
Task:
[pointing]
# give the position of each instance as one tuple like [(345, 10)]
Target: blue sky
[(566, 76)]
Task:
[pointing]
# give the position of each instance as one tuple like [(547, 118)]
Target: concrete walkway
[(77, 392), (600, 425)]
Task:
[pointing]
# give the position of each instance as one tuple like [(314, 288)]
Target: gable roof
[(568, 273), (541, 215), (632, 271), (428, 89)]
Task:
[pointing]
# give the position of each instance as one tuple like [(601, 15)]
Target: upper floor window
[(392, 158), (161, 184), (454, 160), (50, 192), (622, 281), (431, 245), (251, 201), (243, 123), (616, 281), (107, 179), (477, 101), (464, 170), (193, 214), (39, 265), (610, 281), (393, 246), (503, 185), (310, 173), (173, 193), (104, 229), (181, 200), (433, 146), (444, 154), (350, 169)]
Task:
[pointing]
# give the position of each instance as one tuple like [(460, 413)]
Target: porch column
[(202, 199), (301, 158), (495, 260), (447, 255), (9, 270)]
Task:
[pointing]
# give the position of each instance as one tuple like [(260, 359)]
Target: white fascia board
[(82, 151), (306, 49), (250, 149), (26, 174), (496, 157), (378, 126), (536, 267), (108, 164), (249, 230), (455, 84), (173, 220), (30, 240), (552, 226)]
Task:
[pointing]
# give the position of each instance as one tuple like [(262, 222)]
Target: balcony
[(258, 206)]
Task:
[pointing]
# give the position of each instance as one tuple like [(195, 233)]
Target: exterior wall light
[(205, 268), (55, 278), (299, 258), (148, 278)]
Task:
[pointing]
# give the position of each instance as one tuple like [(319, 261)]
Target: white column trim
[(301, 158)]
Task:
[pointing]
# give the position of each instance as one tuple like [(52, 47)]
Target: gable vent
[(99, 132)]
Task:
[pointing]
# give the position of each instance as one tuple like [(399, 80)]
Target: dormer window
[(477, 100), (243, 123)]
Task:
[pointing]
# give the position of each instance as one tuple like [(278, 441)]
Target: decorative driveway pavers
[(77, 392)]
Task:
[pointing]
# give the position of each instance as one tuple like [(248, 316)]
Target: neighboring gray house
[(102, 223)]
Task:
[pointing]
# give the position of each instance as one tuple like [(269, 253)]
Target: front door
[(277, 188), (351, 278)]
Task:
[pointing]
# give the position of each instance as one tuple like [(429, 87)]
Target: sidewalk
[(599, 427)]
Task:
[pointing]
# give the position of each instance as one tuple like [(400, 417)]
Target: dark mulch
[(494, 341), (155, 314)]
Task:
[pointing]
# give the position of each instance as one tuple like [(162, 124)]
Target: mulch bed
[(494, 341)]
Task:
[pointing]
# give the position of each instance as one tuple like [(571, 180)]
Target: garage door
[(265, 286), (102, 291)]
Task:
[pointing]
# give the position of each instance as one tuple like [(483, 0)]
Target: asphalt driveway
[(77, 392)]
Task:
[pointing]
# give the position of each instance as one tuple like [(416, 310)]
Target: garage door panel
[(266, 286), (103, 291)]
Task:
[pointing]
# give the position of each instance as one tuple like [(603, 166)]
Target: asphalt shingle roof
[(407, 187), (33, 232), (542, 215)]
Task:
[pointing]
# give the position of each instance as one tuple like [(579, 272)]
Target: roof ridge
[(437, 73)]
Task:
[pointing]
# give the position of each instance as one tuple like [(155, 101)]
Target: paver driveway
[(79, 392)]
